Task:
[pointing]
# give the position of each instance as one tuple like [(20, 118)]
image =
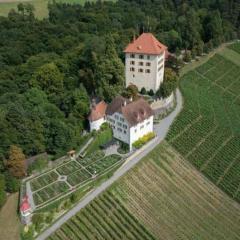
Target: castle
[(144, 62), (144, 67)]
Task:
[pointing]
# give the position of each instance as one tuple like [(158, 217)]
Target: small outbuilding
[(97, 115)]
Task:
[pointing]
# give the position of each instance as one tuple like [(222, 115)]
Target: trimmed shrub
[(143, 140)]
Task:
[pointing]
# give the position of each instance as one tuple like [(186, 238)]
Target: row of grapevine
[(104, 218), (207, 130)]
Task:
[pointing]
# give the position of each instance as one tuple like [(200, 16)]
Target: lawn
[(163, 197), (9, 221), (41, 10), (207, 131), (102, 137)]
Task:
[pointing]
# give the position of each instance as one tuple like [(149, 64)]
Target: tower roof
[(146, 43)]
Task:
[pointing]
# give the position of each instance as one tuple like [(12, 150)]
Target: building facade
[(97, 115), (144, 62), (129, 120)]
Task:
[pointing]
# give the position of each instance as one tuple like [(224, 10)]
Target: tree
[(143, 91), (131, 92), (48, 78), (187, 56), (12, 183), (169, 83), (16, 162), (2, 190)]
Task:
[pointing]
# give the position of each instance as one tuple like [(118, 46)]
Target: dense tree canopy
[(49, 68)]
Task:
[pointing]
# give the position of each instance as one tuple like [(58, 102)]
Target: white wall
[(120, 127), (140, 130), (95, 125), (150, 80), (131, 134)]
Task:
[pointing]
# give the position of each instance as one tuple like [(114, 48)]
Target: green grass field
[(41, 10), (207, 131), (163, 197)]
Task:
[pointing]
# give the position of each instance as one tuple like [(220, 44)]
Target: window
[(132, 69), (148, 64), (119, 129), (148, 57), (125, 131), (147, 71), (141, 56), (121, 119), (142, 127), (135, 130), (119, 124), (132, 56), (140, 63), (148, 122), (124, 126), (116, 117), (132, 62), (140, 70), (160, 68), (160, 61)]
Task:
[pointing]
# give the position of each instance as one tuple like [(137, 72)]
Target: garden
[(68, 176)]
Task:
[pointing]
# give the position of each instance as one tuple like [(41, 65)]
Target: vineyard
[(104, 218), (235, 47), (207, 131), (66, 177), (163, 197)]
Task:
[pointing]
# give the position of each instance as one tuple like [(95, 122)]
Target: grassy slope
[(41, 10), (165, 194), (9, 222), (207, 130)]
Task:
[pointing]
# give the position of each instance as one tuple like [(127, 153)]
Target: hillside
[(166, 195), (208, 129)]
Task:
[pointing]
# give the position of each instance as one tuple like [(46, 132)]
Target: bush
[(143, 140), (12, 183), (143, 91), (150, 92), (38, 221)]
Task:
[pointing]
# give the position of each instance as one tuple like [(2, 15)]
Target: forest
[(50, 68)]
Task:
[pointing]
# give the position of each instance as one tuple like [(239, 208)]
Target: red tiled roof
[(146, 43), (25, 204), (134, 112), (97, 111)]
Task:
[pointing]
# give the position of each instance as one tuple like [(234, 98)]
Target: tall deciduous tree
[(16, 162), (169, 83), (48, 78)]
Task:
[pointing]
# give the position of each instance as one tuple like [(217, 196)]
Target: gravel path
[(161, 130)]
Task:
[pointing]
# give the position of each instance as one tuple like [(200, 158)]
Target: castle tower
[(144, 62)]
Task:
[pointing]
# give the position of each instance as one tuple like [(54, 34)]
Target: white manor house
[(144, 67)]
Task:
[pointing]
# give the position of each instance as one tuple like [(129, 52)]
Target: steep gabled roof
[(146, 43), (98, 111), (134, 112)]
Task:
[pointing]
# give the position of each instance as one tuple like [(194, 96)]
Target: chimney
[(93, 104)]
